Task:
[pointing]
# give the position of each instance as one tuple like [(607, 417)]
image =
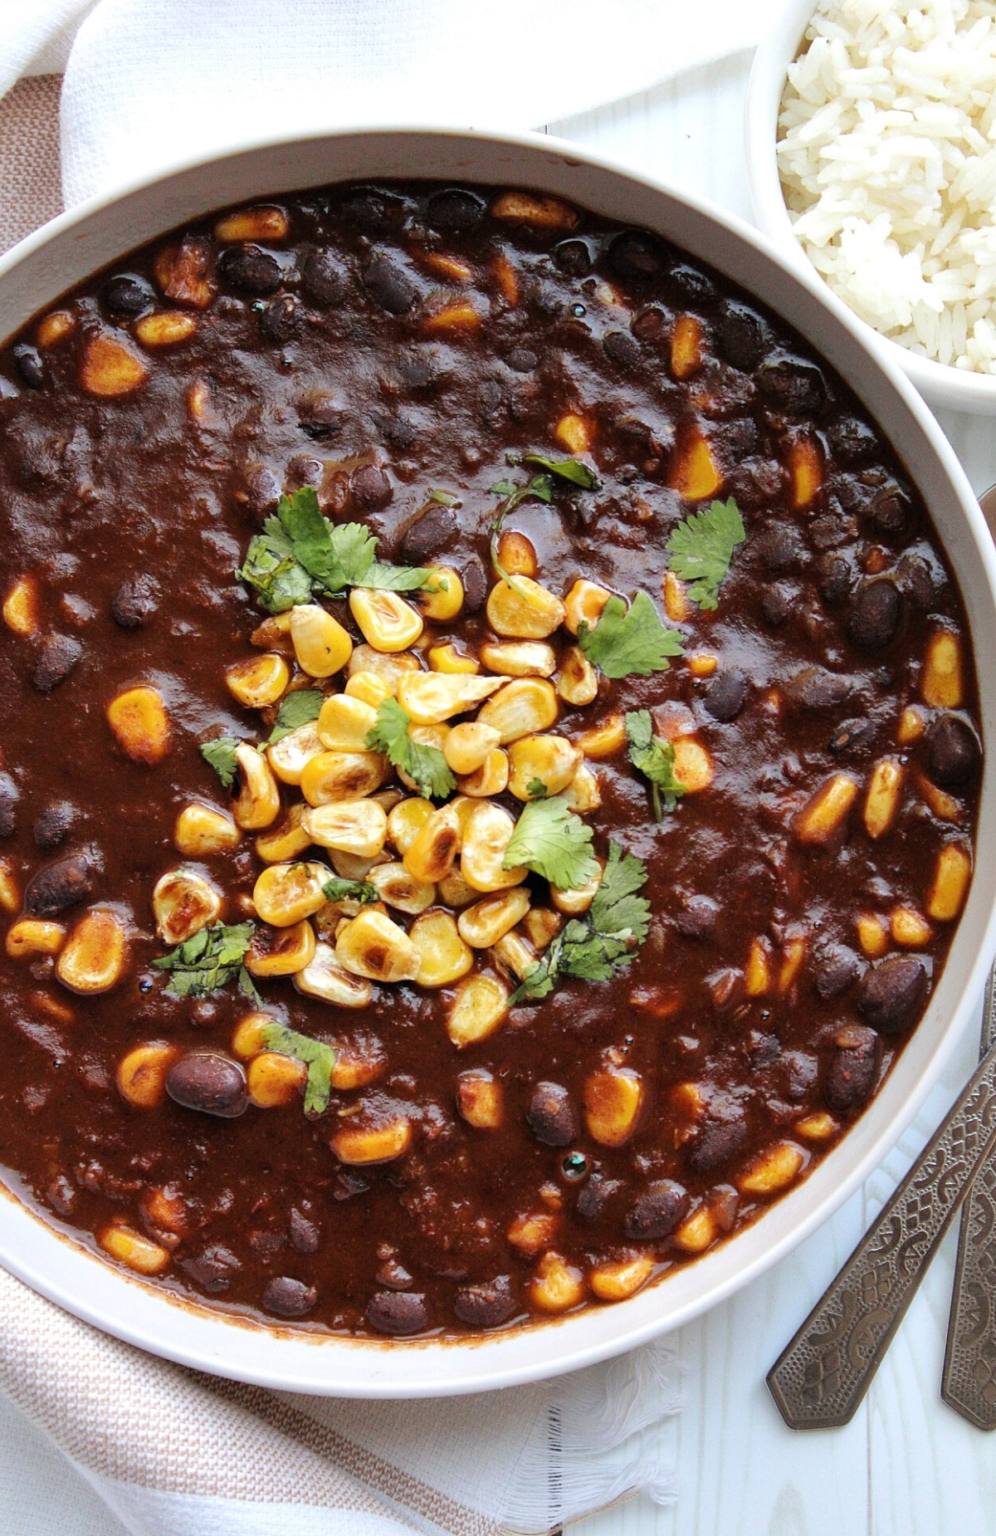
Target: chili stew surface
[(490, 757)]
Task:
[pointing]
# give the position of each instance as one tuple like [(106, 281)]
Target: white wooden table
[(906, 1465)]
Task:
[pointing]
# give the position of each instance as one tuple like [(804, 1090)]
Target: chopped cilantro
[(629, 641), (566, 469), (349, 890), (653, 758), (211, 959), (540, 488), (607, 937), (702, 547), (319, 1058), (220, 753), (426, 765), (444, 498), (301, 553), (536, 789), (550, 840), (298, 708)]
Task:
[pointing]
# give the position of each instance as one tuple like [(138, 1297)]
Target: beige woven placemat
[(30, 183)]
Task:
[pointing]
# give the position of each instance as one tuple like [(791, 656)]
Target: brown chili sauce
[(401, 350)]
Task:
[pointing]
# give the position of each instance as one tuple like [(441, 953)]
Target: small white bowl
[(940, 385)]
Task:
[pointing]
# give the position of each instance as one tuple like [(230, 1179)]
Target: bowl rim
[(942, 383), (134, 1310)]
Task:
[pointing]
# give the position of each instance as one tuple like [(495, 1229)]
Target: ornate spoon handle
[(823, 1374), (969, 1379)]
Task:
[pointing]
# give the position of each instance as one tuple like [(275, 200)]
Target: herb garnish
[(220, 753), (654, 758), (297, 709), (426, 765), (536, 789), (319, 1058), (592, 947), (350, 890), (211, 959), (565, 469), (301, 553), (444, 498), (550, 840), (702, 547), (629, 641)]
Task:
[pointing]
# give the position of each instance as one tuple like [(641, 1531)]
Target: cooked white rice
[(887, 155)]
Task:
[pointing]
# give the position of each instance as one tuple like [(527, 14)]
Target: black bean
[(388, 282), (636, 256), (372, 209), (280, 321), (262, 492), (835, 579), (56, 658), (209, 1082), (954, 753), (9, 796), (726, 694), (741, 336), (58, 886), (816, 688), (852, 441), (621, 348), (420, 373), (369, 487), (521, 360), (853, 1072), (551, 1116), (285, 1297), (781, 547), (762, 1049), (54, 825), (836, 967), (776, 604), (423, 539), (213, 1270), (30, 369), (690, 285), (717, 1140), (304, 1234), (454, 211), (135, 601), (321, 418), (658, 1212), (756, 482), (322, 279), (475, 586), (876, 610), (128, 295), (851, 738), (398, 430), (799, 1070), (696, 919), (485, 1306), (595, 1196), (792, 384), (398, 1313), (573, 256), (649, 324), (892, 992), (249, 269), (891, 512)]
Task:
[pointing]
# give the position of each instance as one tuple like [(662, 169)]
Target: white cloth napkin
[(171, 1452)]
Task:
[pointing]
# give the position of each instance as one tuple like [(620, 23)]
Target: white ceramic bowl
[(80, 242), (953, 388)]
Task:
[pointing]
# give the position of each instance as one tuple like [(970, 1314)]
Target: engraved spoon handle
[(968, 1382), (821, 1377)]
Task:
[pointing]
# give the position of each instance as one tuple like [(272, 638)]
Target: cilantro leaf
[(550, 840), (540, 487), (593, 947), (300, 552), (220, 753), (426, 765), (653, 758), (702, 547), (350, 890), (298, 708), (629, 641), (566, 469), (209, 960), (319, 1058), (444, 498), (536, 789)]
